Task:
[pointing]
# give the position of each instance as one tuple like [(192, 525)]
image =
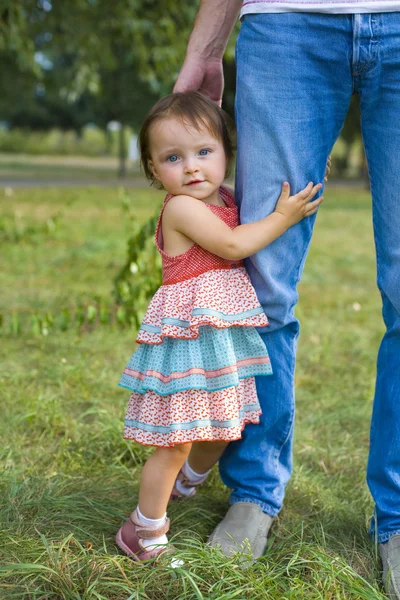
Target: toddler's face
[(186, 160)]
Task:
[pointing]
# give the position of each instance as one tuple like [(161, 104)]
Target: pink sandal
[(129, 539), (186, 483)]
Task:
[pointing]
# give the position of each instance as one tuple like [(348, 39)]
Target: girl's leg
[(158, 477), (142, 536), (203, 456)]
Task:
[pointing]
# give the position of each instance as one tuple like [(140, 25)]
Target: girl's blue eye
[(172, 158), (204, 152)]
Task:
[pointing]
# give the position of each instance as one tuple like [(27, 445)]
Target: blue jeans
[(296, 73)]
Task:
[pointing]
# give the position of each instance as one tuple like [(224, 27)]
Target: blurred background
[(77, 78)]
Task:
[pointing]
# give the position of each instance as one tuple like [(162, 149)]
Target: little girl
[(192, 378)]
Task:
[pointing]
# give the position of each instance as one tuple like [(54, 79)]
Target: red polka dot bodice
[(196, 260)]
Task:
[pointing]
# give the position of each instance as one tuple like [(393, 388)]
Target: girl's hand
[(328, 168), (294, 208)]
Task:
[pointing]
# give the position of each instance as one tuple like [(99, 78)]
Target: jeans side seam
[(289, 429)]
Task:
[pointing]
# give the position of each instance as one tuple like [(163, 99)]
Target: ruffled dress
[(192, 377)]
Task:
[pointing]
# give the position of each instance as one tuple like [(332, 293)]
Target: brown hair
[(196, 110)]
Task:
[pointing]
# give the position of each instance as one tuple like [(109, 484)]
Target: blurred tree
[(115, 59), (350, 133), (154, 34), (123, 97), (15, 30)]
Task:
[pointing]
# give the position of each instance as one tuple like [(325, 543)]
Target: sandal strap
[(147, 532)]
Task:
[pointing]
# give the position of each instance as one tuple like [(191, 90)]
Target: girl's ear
[(153, 169)]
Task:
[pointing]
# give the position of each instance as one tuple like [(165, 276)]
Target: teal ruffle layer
[(217, 359)]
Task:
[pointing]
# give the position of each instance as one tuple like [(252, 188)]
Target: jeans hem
[(265, 507), (385, 537)]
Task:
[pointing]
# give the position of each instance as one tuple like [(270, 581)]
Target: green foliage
[(135, 283), (14, 229), (140, 276), (82, 317), (110, 58), (350, 142), (150, 36), (15, 39), (161, 32)]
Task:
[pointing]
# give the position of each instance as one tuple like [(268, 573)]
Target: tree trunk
[(347, 154), (363, 172), (108, 141), (122, 152)]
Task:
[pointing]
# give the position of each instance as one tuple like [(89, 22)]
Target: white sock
[(192, 477), (191, 474), (162, 540)]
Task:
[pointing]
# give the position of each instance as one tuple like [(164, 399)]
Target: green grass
[(68, 479), (33, 170), (71, 243), (54, 142)]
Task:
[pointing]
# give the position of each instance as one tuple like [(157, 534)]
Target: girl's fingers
[(313, 206), (328, 168), (327, 173), (312, 212), (285, 189), (314, 191), (305, 193), (309, 191)]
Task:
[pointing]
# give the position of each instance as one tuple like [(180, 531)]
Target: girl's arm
[(192, 218)]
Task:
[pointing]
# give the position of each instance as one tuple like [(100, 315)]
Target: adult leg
[(294, 84), (379, 86)]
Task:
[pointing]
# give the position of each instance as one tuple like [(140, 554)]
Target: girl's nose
[(191, 165)]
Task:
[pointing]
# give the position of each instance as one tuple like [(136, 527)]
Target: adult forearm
[(212, 28)]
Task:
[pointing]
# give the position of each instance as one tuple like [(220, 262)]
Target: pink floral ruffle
[(220, 298)]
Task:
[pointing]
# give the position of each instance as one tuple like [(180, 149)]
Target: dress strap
[(227, 196)]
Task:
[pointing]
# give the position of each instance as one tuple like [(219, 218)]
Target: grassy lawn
[(25, 168), (68, 479)]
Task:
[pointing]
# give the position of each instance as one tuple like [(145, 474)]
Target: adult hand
[(203, 75)]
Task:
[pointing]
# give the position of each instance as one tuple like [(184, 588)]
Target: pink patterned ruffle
[(220, 298), (192, 415)]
